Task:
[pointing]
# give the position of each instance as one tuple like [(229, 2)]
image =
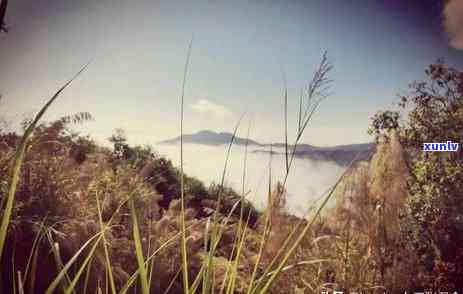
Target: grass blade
[(138, 249), (182, 180), (286, 122), (59, 262), (32, 261), (207, 286), (132, 278), (266, 227), (54, 284), (105, 247), (87, 275), (173, 281), (88, 258), (240, 233), (20, 284)]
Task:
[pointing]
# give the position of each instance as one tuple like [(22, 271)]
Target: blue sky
[(138, 50)]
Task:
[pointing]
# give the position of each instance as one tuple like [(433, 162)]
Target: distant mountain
[(341, 154), (210, 138)]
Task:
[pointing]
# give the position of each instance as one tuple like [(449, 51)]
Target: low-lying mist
[(307, 181)]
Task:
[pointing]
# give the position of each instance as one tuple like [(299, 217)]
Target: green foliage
[(433, 221), (383, 122), (156, 170)]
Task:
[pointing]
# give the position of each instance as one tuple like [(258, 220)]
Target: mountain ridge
[(208, 137), (341, 154)]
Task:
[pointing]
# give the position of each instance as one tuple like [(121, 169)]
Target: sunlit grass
[(78, 267)]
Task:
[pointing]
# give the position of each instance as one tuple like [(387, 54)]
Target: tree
[(433, 220), (121, 149)]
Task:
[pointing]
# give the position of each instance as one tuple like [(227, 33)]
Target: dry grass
[(118, 238)]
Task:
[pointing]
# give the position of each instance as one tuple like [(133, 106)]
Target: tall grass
[(182, 179), (206, 280), (217, 230), (240, 234), (316, 92)]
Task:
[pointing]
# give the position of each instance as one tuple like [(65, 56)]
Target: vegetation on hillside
[(82, 218)]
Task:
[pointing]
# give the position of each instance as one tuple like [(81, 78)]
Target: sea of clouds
[(307, 181)]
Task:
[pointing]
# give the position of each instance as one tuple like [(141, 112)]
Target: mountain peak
[(208, 137), (206, 132)]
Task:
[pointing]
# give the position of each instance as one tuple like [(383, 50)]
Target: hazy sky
[(139, 48)]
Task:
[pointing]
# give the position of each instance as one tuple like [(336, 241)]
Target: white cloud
[(453, 22), (205, 106)]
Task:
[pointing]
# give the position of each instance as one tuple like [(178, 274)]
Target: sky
[(240, 49)]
